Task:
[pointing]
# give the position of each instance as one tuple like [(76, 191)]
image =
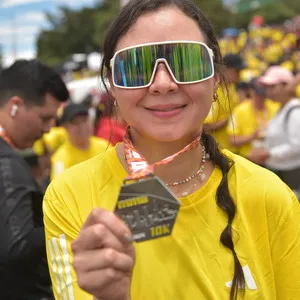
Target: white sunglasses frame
[(162, 60)]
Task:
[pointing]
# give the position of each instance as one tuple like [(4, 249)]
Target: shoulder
[(291, 112), (250, 173), (6, 151), (15, 171), (294, 107), (257, 188), (90, 175), (93, 183)]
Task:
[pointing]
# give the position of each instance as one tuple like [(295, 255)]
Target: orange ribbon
[(139, 168)]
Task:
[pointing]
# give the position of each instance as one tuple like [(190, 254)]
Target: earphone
[(14, 110)]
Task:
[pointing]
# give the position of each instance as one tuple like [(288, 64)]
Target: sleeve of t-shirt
[(284, 232), (61, 229)]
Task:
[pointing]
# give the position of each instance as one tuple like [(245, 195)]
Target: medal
[(148, 208), (145, 203)]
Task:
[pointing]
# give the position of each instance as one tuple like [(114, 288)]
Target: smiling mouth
[(166, 109)]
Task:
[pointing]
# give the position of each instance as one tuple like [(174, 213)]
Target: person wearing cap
[(250, 118), (80, 144), (281, 151), (221, 109)]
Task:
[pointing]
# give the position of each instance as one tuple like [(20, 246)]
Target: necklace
[(199, 173), (138, 166)]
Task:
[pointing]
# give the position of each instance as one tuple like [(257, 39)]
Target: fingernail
[(128, 238)]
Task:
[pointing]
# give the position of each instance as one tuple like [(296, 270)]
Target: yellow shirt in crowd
[(55, 138), (245, 121), (191, 264), (68, 155), (221, 110)]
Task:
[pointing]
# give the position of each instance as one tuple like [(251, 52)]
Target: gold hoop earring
[(215, 97)]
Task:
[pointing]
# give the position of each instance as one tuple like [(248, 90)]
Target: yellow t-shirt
[(220, 111), (245, 121), (68, 155), (191, 264), (298, 91), (55, 138)]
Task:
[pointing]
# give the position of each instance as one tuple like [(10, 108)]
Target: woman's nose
[(163, 83)]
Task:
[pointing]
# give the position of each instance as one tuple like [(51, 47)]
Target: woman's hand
[(104, 256)]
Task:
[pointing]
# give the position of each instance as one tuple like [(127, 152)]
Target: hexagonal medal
[(148, 207)]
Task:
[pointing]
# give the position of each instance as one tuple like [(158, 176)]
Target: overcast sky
[(21, 21)]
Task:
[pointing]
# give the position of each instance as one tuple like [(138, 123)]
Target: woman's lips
[(166, 111)]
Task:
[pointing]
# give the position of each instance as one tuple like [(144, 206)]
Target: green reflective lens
[(189, 62)]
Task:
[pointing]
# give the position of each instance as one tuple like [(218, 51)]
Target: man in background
[(30, 93)]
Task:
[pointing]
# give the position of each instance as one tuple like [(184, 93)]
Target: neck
[(82, 145), (7, 124), (181, 167), (285, 100), (258, 104)]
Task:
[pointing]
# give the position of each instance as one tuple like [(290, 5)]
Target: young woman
[(237, 231)]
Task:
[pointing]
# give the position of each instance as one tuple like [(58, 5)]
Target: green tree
[(71, 32), (219, 16), (74, 32), (83, 31)]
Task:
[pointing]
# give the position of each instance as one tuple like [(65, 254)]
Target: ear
[(216, 81), (14, 105), (15, 100)]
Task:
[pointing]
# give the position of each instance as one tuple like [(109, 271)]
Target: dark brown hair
[(124, 21)]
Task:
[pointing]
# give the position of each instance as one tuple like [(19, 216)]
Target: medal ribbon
[(6, 138), (139, 168)]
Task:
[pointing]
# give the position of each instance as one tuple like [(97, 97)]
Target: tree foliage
[(82, 31)]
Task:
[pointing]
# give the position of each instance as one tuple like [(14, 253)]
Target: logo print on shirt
[(248, 278)]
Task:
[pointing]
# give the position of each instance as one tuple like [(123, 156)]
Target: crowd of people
[(216, 120)]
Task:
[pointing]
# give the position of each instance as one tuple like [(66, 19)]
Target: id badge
[(148, 208)]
